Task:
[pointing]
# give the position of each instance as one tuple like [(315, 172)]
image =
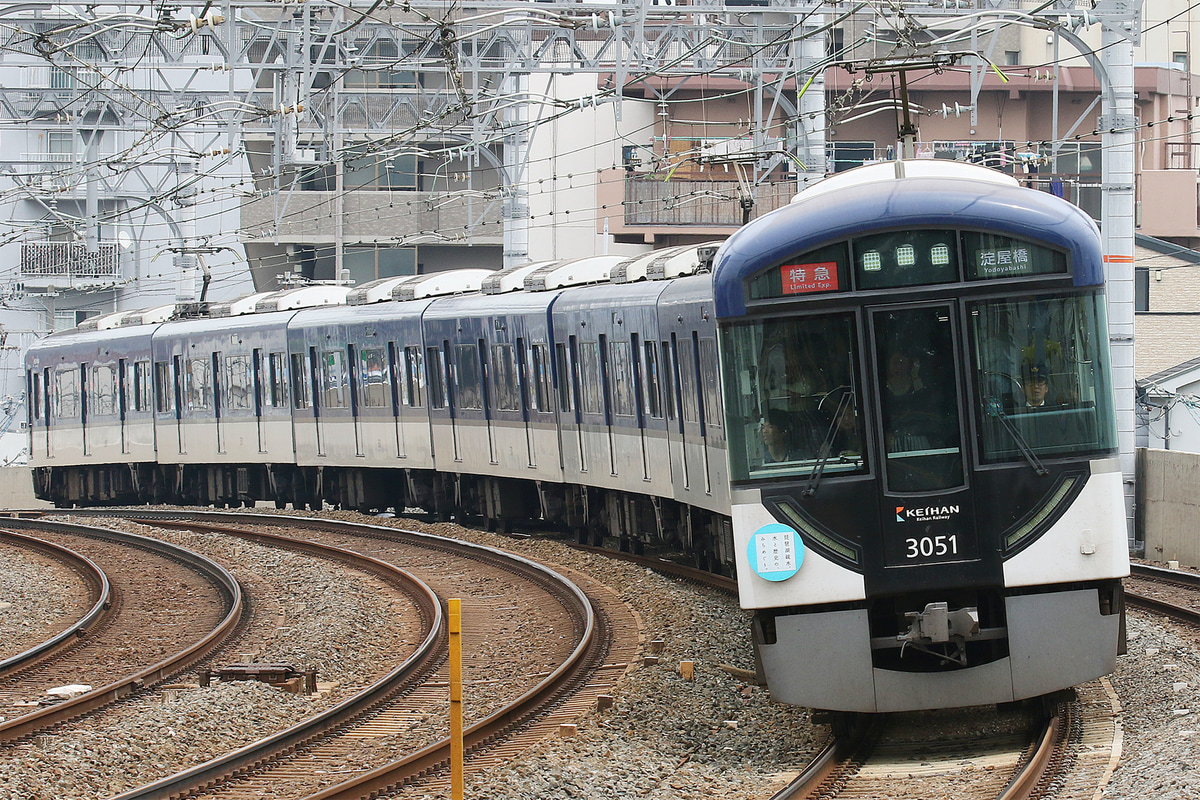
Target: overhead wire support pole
[(1121, 20), (908, 130)]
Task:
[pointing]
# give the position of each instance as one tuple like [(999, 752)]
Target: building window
[(65, 320), (1012, 58), (1180, 58), (367, 263), (365, 169)]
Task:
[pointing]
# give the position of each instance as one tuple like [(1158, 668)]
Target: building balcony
[(372, 217), (68, 265), (704, 203)]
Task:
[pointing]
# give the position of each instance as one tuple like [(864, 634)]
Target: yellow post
[(456, 719)]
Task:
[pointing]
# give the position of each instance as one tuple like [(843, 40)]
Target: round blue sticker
[(775, 552)]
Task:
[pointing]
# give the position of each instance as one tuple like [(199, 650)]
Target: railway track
[(1172, 593), (605, 637), (1067, 758), (1069, 755), (1012, 754), (124, 623), (99, 597)]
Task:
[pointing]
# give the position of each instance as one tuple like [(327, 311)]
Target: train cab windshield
[(1039, 367), (1042, 370), (793, 390)]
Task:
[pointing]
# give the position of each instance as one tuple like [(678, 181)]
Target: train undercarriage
[(595, 516)]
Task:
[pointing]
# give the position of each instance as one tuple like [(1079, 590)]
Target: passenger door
[(927, 515)]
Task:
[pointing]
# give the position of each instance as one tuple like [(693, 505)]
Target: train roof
[(898, 195), (88, 342), (191, 326), (302, 297), (383, 313), (665, 263)]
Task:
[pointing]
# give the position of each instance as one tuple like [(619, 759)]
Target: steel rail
[(28, 724), (98, 588), (1189, 580), (429, 758), (1164, 574), (256, 754), (1025, 783)]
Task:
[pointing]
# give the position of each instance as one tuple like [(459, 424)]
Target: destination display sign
[(805, 278)]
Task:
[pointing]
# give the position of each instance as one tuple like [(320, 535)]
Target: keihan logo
[(927, 514)]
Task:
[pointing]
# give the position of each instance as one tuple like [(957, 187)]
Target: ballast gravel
[(39, 598), (716, 736)]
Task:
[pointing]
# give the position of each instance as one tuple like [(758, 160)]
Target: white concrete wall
[(1170, 505), (16, 489)]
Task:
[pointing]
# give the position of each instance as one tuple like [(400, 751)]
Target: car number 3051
[(930, 546)]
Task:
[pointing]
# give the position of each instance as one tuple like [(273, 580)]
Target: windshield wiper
[(994, 410), (826, 449)]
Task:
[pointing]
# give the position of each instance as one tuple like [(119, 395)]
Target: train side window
[(414, 378), (301, 388), (198, 384), (67, 398), (373, 368), (708, 372), (543, 389), (331, 373), (277, 380), (142, 391), (164, 387), (564, 378), (621, 376), (122, 388), (670, 381), (238, 383), (35, 394), (435, 362), (589, 377), (504, 378), (689, 392), (260, 383), (104, 391), (468, 391), (653, 392)]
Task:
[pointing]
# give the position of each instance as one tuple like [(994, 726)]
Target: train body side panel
[(217, 404), (697, 439), (497, 414), (614, 427), (365, 396), (85, 408)]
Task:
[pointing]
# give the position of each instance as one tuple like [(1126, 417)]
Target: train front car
[(926, 494)]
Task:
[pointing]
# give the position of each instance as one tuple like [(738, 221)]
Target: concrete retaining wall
[(1169, 505), (16, 489)]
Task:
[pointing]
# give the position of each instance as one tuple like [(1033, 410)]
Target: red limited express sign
[(803, 278)]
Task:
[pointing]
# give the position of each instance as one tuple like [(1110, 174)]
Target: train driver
[(1035, 383), (778, 438)]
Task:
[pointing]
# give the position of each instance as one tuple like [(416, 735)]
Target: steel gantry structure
[(160, 128)]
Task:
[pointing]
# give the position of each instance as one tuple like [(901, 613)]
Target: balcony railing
[(708, 203), (69, 260)]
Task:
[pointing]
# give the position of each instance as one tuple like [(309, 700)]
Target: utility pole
[(1118, 123)]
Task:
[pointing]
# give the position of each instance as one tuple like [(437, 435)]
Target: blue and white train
[(886, 408)]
